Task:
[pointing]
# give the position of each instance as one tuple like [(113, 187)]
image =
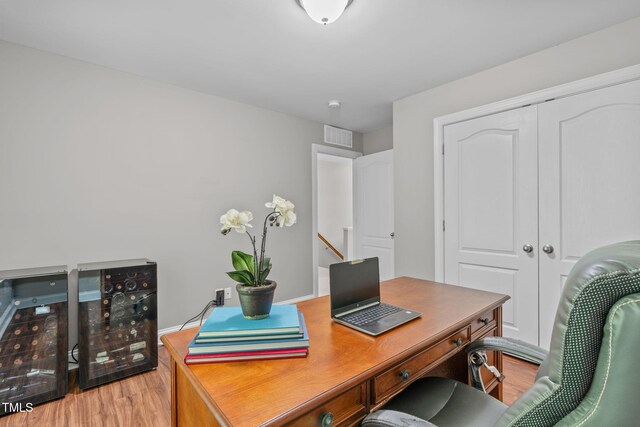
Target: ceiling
[(269, 53)]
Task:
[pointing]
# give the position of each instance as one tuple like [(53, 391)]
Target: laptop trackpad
[(391, 321)]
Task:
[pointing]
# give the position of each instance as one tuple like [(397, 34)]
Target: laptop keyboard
[(371, 314)]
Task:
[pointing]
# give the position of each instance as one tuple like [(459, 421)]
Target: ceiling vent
[(337, 136)]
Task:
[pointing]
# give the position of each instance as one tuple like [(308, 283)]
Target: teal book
[(251, 344), (229, 322)]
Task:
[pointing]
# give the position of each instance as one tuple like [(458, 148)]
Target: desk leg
[(497, 392), (494, 388), (174, 400)]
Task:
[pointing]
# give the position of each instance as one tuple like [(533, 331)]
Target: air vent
[(337, 136)]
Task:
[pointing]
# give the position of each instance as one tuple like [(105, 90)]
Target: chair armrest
[(388, 418), (517, 348)]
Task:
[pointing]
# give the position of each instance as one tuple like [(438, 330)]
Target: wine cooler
[(117, 320), (33, 337)]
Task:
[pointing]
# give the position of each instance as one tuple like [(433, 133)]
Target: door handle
[(547, 249), (392, 235), (527, 248)]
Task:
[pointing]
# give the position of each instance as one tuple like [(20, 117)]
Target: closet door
[(589, 148), (491, 212)]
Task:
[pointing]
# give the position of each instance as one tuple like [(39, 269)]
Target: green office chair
[(590, 376)]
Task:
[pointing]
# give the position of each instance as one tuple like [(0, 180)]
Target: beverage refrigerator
[(33, 337), (117, 320)]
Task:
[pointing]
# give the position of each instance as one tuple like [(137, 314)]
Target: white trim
[(315, 150), (295, 300), (561, 91), (438, 199), (171, 329)]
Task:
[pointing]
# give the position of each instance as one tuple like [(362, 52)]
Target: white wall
[(612, 48), (335, 198), (97, 165), (377, 140)]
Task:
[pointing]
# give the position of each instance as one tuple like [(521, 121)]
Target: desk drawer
[(346, 409), (404, 373), (487, 319)]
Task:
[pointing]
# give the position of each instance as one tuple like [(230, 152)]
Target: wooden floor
[(141, 400), (519, 374), (144, 400)]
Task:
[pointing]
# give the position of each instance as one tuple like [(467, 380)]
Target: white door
[(491, 212), (589, 151), (373, 220)]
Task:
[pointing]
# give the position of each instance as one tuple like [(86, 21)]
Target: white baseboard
[(171, 329), (295, 300)]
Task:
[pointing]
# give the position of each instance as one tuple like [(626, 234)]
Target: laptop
[(355, 298)]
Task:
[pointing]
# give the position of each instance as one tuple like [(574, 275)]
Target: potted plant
[(251, 271)]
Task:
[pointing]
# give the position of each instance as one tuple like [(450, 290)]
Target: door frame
[(315, 150), (588, 84)]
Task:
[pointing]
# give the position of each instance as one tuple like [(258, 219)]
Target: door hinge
[(443, 225), (443, 149)]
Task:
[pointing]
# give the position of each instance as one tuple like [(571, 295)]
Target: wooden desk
[(346, 373)]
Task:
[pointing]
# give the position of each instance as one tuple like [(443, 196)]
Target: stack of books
[(227, 336)]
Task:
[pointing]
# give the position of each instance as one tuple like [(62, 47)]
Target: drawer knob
[(485, 320), (327, 419), (405, 375), (458, 342)]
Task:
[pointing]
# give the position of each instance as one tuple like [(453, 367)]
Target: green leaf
[(242, 277), (266, 268), (263, 275), (242, 261)]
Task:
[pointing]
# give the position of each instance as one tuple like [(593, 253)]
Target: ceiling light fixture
[(334, 103), (324, 11)]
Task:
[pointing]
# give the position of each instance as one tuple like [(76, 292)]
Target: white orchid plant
[(252, 270)]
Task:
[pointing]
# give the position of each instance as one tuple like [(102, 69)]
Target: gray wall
[(612, 48), (377, 140), (96, 165)]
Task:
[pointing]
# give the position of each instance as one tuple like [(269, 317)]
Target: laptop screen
[(353, 284)]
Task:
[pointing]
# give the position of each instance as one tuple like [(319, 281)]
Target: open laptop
[(355, 298)]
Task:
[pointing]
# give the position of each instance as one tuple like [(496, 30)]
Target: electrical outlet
[(227, 293), (219, 297)]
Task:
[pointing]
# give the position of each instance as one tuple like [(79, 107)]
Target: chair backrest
[(595, 287)]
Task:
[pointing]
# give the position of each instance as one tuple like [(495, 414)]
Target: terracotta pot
[(256, 300)]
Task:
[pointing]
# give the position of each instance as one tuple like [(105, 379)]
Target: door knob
[(392, 235), (547, 249), (527, 248)]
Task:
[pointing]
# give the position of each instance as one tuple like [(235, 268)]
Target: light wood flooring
[(141, 400), (144, 400)]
